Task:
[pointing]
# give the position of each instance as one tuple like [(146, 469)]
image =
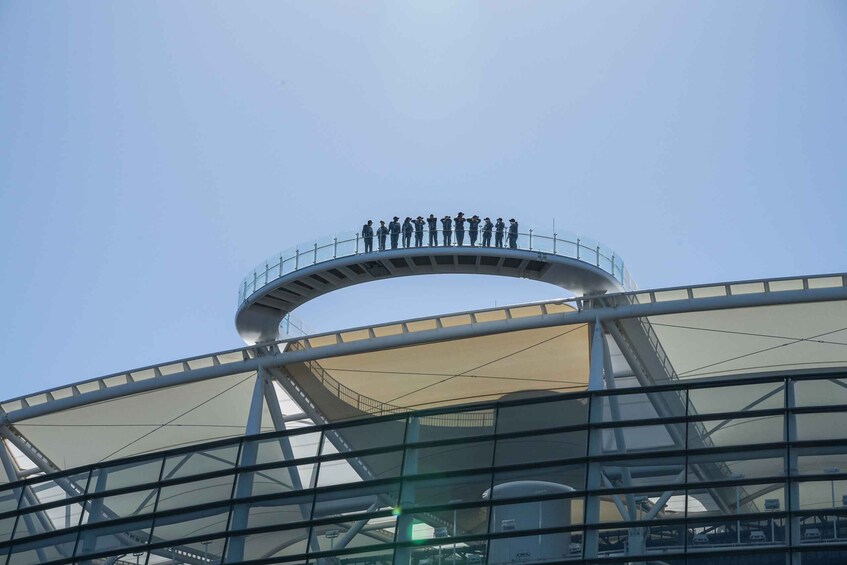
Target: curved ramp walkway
[(292, 278)]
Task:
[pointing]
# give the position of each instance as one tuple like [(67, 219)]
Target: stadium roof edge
[(601, 307)]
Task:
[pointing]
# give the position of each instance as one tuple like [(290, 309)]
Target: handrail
[(347, 244)]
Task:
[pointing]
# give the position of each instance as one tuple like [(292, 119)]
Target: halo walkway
[(292, 278)]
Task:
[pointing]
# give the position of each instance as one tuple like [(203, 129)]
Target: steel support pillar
[(272, 401), (405, 521), (793, 503), (244, 481)]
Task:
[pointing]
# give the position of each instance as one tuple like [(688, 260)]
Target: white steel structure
[(687, 425)]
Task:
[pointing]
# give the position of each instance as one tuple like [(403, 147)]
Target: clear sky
[(151, 153)]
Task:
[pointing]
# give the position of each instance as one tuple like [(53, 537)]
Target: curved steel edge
[(258, 322)]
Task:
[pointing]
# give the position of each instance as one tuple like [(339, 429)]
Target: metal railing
[(347, 244)]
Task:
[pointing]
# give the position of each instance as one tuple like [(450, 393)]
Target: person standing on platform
[(419, 225), (499, 228), (459, 222), (447, 230), (513, 234), (381, 233), (486, 232), (474, 229), (432, 222), (394, 232), (407, 232), (368, 236)]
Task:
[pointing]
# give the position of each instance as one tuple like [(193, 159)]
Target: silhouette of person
[(419, 226), (407, 232), (486, 232), (368, 236), (459, 222), (381, 233), (499, 228), (473, 223), (513, 234), (432, 222), (394, 232), (447, 230)]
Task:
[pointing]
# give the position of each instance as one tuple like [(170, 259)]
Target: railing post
[(316, 254), (357, 243), (245, 290), (280, 264), (598, 254), (613, 264), (530, 239), (554, 244), (335, 247), (255, 280), (577, 249), (267, 268), (297, 259)]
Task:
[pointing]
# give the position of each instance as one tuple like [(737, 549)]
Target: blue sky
[(152, 153)]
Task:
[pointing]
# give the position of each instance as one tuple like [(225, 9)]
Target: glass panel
[(736, 431), (823, 557), (532, 549), (453, 523), (9, 499), (107, 538), (729, 534), (375, 466), (357, 500), (199, 523), (537, 514), (208, 550), (643, 472), (826, 392), (50, 491), (641, 504), (268, 545), (376, 531), (542, 243), (194, 493), (820, 459), (368, 436), (274, 481), (453, 425), (42, 551), (120, 476), (471, 552), (642, 406), (539, 448), (814, 495), (451, 457), (572, 476), (119, 506), (378, 556), (439, 491), (205, 461), (819, 426), (272, 450), (275, 512), (740, 499), (725, 466), (659, 437), (7, 526), (741, 398)]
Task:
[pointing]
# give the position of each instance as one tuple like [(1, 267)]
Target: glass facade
[(749, 471)]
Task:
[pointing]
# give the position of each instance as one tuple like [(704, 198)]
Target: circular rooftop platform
[(294, 277)]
